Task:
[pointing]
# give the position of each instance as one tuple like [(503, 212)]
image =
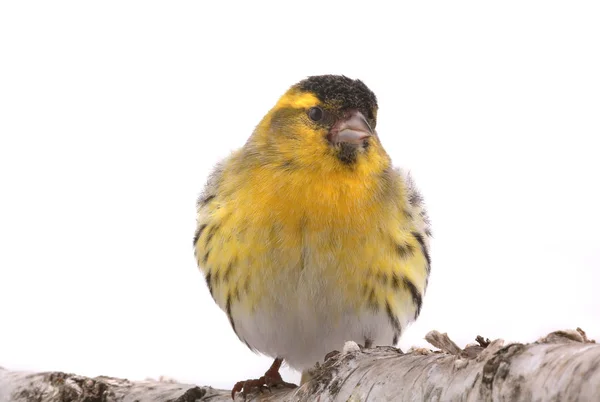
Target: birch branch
[(563, 366)]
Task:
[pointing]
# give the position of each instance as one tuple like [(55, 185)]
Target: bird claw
[(275, 380), (268, 382), (245, 387)]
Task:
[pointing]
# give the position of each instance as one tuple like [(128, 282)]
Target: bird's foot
[(271, 379)]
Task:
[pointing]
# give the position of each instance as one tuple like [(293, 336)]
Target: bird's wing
[(415, 201), (209, 193)]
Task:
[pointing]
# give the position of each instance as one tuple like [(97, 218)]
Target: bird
[(308, 236)]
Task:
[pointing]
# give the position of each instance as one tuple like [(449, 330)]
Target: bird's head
[(325, 123)]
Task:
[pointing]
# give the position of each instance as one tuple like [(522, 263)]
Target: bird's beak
[(352, 129)]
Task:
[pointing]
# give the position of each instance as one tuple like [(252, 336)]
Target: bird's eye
[(316, 113)]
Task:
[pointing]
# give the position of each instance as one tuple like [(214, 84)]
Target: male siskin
[(307, 235)]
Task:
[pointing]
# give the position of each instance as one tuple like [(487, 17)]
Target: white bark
[(563, 366)]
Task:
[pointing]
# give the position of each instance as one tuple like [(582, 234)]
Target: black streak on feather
[(206, 200), (395, 281), (427, 222), (227, 271), (372, 300), (395, 338), (416, 295), (198, 233), (213, 229), (216, 278), (419, 238), (383, 278), (393, 319), (208, 278), (405, 250), (415, 198), (289, 165), (228, 311)]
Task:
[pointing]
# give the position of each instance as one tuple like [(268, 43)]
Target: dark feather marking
[(208, 278), (405, 250), (206, 199), (211, 186), (395, 281), (393, 319), (227, 271), (205, 259), (228, 311), (427, 223), (216, 278), (198, 233), (395, 338), (384, 278), (289, 165), (372, 300), (419, 238), (211, 233), (416, 295), (415, 198)]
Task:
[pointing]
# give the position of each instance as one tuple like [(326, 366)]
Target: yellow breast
[(350, 230)]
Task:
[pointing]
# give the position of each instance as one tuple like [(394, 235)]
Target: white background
[(113, 113)]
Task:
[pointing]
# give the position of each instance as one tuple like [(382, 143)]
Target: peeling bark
[(562, 366)]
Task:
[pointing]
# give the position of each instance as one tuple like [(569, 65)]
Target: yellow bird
[(308, 237)]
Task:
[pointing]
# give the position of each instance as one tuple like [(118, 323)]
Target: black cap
[(342, 91)]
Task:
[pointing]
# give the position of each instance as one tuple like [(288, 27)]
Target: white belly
[(304, 316)]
